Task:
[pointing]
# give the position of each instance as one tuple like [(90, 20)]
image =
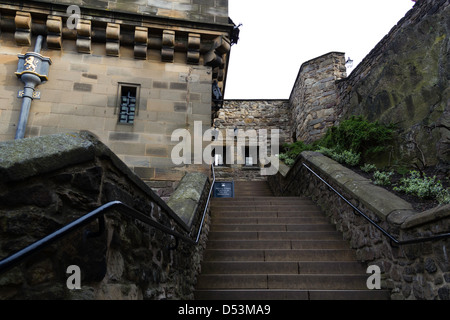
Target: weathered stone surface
[(402, 81), (255, 114), (127, 260), (20, 159), (435, 214), (414, 271), (314, 96), (184, 201)]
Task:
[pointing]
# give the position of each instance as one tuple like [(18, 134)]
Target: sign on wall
[(224, 189)]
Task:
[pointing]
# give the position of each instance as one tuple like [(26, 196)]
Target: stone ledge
[(386, 205), (437, 213), (184, 201), (25, 158)]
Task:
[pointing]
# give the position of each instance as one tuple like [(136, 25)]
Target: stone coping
[(25, 158), (386, 205), (186, 198)]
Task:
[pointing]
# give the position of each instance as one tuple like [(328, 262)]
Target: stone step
[(252, 199), (261, 208), (266, 214), (277, 244), (277, 294), (253, 255), (273, 221), (287, 267), (271, 235), (282, 281), (252, 193), (271, 227), (253, 203), (262, 247)]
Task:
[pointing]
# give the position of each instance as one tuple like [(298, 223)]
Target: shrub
[(361, 136), (292, 150), (382, 178), (353, 140), (289, 162), (347, 157), (443, 197), (424, 187), (368, 167)]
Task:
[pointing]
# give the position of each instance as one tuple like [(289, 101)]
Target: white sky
[(277, 36)]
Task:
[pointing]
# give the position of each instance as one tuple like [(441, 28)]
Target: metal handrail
[(387, 234), (99, 213)]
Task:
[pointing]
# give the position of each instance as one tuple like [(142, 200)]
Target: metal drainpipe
[(32, 70)]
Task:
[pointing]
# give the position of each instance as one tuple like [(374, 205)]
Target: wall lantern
[(349, 63)]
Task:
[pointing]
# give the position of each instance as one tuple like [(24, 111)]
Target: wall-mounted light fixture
[(349, 63)]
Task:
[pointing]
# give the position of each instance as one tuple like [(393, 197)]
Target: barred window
[(128, 97)]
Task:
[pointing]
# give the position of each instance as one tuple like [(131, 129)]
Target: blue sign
[(224, 189)]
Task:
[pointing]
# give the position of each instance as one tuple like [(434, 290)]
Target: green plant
[(368, 167), (443, 197), (326, 151), (382, 178), (347, 157), (353, 140), (289, 162), (424, 187), (361, 136), (292, 150)]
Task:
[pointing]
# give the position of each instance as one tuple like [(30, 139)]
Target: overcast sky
[(277, 36)]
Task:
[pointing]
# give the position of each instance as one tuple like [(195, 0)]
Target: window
[(128, 97), (251, 156)]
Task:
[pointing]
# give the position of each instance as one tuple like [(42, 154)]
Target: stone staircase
[(262, 247)]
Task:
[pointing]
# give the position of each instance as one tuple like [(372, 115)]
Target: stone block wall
[(412, 271), (82, 94), (404, 81), (254, 120), (313, 99), (207, 11), (48, 182), (255, 114), (173, 64)]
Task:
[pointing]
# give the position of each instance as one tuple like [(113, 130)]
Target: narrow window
[(251, 157), (128, 97)]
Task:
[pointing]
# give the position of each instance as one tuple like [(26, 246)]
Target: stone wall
[(172, 64), (255, 114), (404, 81), (207, 11), (48, 182), (254, 120), (313, 99), (413, 271)]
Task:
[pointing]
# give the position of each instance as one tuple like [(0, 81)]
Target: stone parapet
[(48, 182), (412, 271)]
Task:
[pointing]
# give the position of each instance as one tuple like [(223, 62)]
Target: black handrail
[(99, 213), (387, 234)]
